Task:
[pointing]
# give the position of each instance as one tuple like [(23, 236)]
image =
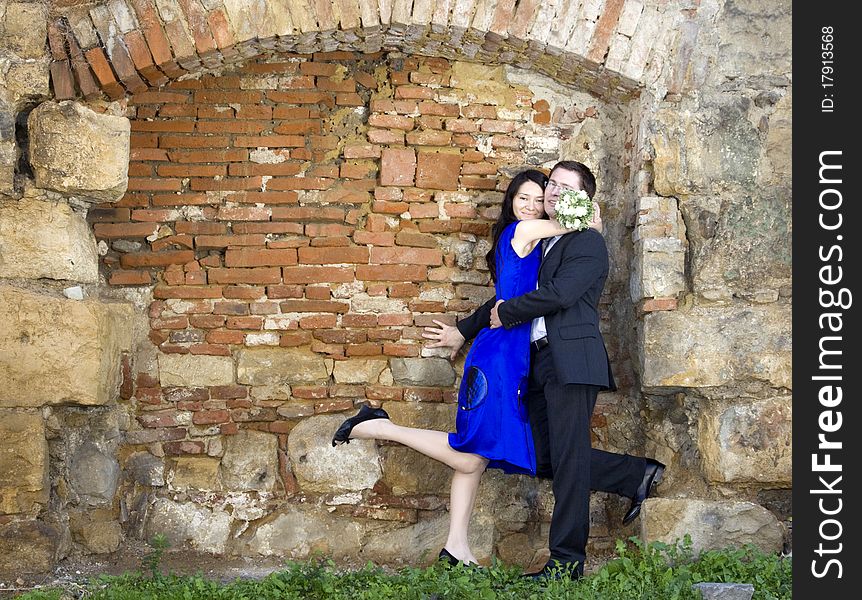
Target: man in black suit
[(568, 367)]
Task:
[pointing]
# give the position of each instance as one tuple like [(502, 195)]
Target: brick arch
[(119, 47)]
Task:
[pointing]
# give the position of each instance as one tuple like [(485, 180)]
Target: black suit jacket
[(571, 280)]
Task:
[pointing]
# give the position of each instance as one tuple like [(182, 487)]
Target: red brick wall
[(258, 193)]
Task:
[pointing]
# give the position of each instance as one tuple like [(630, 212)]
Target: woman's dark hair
[(507, 212)]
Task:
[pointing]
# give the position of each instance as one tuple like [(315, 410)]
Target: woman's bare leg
[(461, 499), (465, 481), (427, 441)]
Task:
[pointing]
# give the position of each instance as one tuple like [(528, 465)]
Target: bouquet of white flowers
[(574, 210)]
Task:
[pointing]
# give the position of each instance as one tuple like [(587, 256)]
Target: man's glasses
[(562, 187)]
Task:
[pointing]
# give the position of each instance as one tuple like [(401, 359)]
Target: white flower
[(574, 210)]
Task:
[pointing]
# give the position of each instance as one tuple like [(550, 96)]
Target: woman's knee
[(473, 463)]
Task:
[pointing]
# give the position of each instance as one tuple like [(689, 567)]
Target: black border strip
[(827, 263)]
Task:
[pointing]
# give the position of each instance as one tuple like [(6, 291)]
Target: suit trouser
[(560, 419)]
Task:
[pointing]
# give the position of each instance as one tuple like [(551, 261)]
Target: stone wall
[(241, 232), (299, 220), (62, 345), (716, 371)]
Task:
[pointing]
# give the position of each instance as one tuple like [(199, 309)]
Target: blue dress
[(492, 413)]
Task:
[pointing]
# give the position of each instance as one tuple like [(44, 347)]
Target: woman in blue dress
[(492, 429)]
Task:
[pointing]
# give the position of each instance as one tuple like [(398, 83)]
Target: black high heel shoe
[(448, 558), (366, 413)]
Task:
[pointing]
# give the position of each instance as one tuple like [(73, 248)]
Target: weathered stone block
[(743, 55), (250, 461), (415, 544), (8, 159), (475, 293), (515, 498), (196, 473), (189, 370), (291, 366), (747, 442), (271, 392), (27, 81), (422, 415), (27, 547), (419, 543), (97, 531), (358, 371), (656, 274), (186, 523), (719, 149), (102, 537), (363, 303), (23, 463), (433, 371), (406, 471), (528, 551), (501, 499), (658, 268), (482, 84), (40, 336), (24, 26), (713, 346), (297, 532), (779, 139), (740, 244), (712, 525), (76, 151), (319, 467), (725, 591), (8, 147), (7, 119), (250, 20), (145, 469), (46, 239), (93, 474)]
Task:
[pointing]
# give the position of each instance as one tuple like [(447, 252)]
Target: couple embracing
[(532, 375)]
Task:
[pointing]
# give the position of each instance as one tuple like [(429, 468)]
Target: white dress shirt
[(538, 330)]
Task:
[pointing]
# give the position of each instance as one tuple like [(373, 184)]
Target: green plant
[(152, 561), (641, 569), (640, 572), (53, 594)]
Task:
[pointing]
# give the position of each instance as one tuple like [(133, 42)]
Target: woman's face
[(527, 203)]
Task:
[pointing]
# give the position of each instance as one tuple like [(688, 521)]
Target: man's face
[(560, 181)]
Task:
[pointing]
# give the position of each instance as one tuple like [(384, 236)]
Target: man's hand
[(447, 336), (495, 318)]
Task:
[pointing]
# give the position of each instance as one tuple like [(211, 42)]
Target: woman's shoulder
[(509, 231), (510, 228)]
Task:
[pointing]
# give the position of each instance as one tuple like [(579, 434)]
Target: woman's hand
[(447, 336), (495, 316), (596, 223)]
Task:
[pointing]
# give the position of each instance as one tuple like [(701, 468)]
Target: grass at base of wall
[(641, 572)]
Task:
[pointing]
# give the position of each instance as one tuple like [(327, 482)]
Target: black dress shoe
[(556, 570), (652, 476), (366, 413)]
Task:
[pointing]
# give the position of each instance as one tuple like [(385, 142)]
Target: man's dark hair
[(587, 177)]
